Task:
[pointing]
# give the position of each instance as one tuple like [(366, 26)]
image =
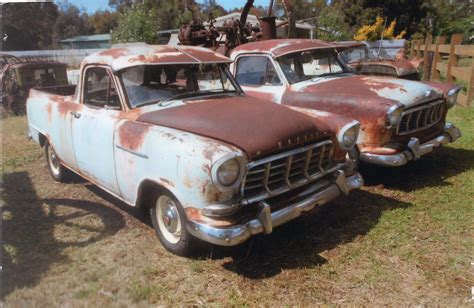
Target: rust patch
[(280, 47), (255, 126), (440, 87), (206, 168), (65, 104), (49, 110), (195, 214), (188, 182), (132, 134), (114, 52), (162, 58)]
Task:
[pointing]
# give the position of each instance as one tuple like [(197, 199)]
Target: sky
[(94, 5)]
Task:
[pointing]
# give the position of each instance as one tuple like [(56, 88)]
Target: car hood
[(389, 90), (255, 126)]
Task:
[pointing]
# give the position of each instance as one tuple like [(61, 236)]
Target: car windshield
[(149, 84), (354, 54), (303, 65)]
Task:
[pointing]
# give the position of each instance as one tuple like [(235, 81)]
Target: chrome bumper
[(415, 149), (320, 193)]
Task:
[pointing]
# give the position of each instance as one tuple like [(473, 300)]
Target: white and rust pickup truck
[(169, 129)]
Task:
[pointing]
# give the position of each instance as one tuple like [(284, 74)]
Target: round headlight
[(347, 136), (394, 115), (452, 96), (228, 172), (350, 136)]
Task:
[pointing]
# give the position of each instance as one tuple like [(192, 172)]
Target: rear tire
[(58, 172), (169, 221)]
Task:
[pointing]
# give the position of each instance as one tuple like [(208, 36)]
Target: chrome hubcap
[(168, 219), (53, 160)]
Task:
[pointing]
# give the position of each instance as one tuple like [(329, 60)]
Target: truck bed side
[(49, 119)]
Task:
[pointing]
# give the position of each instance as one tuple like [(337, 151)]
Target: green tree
[(70, 22), (138, 23), (330, 25), (27, 26), (102, 22)]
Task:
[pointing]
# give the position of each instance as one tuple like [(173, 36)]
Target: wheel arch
[(147, 188)]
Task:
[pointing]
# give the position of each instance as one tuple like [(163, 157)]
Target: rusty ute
[(401, 120), (169, 129)]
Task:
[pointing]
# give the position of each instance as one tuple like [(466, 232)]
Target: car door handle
[(77, 115)]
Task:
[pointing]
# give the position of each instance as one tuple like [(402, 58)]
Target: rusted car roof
[(123, 57), (282, 47)]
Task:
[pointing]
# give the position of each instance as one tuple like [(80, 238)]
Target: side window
[(99, 89), (256, 71)]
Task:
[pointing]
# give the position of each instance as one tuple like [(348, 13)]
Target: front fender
[(179, 161)]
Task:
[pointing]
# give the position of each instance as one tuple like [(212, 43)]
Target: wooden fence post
[(456, 39), (426, 51), (412, 48), (418, 45), (440, 40), (470, 87)]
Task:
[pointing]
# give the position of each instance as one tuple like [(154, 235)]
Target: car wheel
[(169, 221), (57, 171)]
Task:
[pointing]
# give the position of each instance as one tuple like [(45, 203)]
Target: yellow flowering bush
[(374, 32)]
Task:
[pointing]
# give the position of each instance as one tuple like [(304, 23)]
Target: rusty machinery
[(231, 34)]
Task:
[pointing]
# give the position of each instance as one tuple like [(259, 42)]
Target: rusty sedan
[(401, 120), (170, 130)]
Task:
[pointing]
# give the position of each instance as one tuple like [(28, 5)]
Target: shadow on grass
[(299, 243), (35, 230), (430, 171)]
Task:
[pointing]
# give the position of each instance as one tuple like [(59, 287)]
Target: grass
[(405, 238)]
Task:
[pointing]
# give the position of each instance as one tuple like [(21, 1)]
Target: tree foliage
[(27, 26), (330, 25), (70, 22), (102, 22), (138, 23)]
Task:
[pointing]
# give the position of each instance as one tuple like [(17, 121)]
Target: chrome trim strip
[(131, 151)]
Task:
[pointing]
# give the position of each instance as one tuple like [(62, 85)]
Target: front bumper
[(415, 149), (321, 192)]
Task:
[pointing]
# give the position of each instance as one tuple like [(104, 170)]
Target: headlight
[(227, 172), (347, 136), (452, 96), (394, 115)]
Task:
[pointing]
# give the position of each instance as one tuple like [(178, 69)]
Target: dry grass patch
[(405, 238)]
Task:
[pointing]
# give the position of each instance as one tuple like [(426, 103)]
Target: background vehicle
[(169, 129), (400, 119), (358, 57), (20, 75)]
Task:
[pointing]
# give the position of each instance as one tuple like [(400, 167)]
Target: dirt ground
[(405, 238)]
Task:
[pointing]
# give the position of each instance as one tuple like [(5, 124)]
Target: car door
[(93, 127), (258, 77)]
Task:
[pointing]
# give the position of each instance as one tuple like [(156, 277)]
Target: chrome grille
[(421, 117), (279, 173)]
